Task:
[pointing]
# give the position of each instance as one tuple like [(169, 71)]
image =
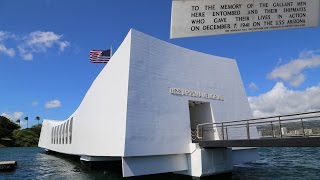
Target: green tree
[(12, 135), (37, 129), (18, 121), (26, 118), (38, 119), (27, 137), (6, 130), (7, 124)]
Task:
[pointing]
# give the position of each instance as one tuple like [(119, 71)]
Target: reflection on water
[(274, 163), (282, 163), (34, 163), (50, 166)]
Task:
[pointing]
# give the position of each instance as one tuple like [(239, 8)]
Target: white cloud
[(3, 49), (6, 35), (292, 72), (17, 115), (7, 51), (281, 100), (34, 103), (63, 45), (25, 54), (12, 116), (33, 43), (53, 104), (40, 42), (2, 34), (253, 87), (9, 116)]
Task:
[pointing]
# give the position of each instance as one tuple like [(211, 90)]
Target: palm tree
[(38, 119), (26, 118), (18, 121)]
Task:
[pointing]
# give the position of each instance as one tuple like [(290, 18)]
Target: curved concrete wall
[(99, 121)]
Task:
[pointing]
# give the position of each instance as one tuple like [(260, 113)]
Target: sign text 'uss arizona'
[(210, 17), (197, 94)]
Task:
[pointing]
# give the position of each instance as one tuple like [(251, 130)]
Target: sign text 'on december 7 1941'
[(206, 17)]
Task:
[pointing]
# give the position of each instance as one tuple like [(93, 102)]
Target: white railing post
[(199, 128), (222, 129), (248, 130)]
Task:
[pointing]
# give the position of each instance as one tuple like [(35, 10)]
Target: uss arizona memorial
[(144, 106)]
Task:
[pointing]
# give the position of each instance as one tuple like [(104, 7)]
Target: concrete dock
[(7, 165)]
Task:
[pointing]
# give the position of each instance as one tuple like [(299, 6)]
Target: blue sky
[(44, 47)]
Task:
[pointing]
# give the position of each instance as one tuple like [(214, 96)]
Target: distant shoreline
[(2, 146)]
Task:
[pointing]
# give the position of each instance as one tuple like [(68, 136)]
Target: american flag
[(100, 56)]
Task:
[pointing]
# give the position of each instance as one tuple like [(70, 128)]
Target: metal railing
[(300, 124)]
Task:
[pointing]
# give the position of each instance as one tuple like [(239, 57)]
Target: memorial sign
[(211, 17)]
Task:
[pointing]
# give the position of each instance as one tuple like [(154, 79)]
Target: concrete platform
[(7, 165), (272, 142)]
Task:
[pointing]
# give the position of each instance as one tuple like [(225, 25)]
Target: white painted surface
[(157, 121), (194, 162), (205, 162), (243, 155), (135, 166), (99, 158), (215, 161), (99, 122), (129, 112), (195, 17)]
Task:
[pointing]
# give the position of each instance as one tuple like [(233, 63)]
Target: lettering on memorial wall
[(205, 17), (196, 94)]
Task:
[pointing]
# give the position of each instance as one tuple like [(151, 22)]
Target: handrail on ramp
[(305, 124)]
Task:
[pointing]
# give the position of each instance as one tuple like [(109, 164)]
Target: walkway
[(292, 130)]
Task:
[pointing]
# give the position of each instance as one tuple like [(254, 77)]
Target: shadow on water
[(113, 170)]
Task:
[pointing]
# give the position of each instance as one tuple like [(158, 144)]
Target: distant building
[(298, 132), (284, 131), (308, 131)]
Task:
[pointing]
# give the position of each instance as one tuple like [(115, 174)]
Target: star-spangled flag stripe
[(100, 56)]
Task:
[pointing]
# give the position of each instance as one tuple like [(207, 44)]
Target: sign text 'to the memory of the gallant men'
[(210, 17)]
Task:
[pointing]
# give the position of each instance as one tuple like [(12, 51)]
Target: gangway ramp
[(292, 130), (274, 142)]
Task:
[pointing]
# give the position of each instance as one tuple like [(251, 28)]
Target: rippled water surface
[(274, 163)]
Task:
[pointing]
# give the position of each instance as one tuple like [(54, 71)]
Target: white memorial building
[(143, 106)]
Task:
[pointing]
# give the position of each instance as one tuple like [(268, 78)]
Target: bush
[(25, 137)]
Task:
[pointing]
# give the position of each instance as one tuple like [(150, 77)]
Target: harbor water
[(274, 163)]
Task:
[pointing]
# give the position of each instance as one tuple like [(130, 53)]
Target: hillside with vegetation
[(11, 134)]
